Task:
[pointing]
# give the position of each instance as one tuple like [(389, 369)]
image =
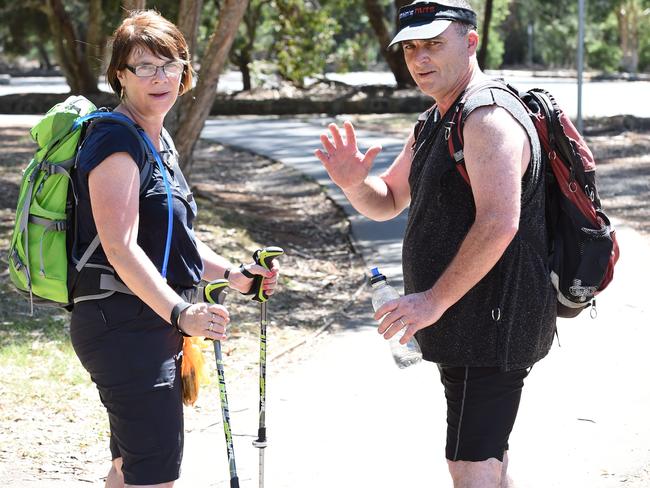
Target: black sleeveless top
[(185, 266), (508, 318)]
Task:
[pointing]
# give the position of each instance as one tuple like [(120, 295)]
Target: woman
[(131, 341)]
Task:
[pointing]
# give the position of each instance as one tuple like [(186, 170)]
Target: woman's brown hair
[(149, 30)]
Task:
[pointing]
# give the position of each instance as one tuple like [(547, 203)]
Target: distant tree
[(22, 33), (243, 50), (485, 29), (630, 15), (189, 21), (394, 57), (491, 17), (78, 57), (193, 108), (302, 39)]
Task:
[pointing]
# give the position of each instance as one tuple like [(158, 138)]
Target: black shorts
[(134, 358), (482, 405)]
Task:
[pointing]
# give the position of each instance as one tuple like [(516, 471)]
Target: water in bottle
[(404, 354)]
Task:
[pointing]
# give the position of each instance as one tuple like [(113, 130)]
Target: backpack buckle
[(15, 258), (582, 292), (448, 127)]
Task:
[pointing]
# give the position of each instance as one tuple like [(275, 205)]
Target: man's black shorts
[(133, 356), (482, 405)]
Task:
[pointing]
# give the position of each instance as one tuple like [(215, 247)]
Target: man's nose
[(421, 56)]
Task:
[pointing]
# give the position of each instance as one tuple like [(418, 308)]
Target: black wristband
[(176, 313), (226, 273)]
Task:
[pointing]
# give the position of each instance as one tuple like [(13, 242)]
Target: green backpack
[(41, 261)]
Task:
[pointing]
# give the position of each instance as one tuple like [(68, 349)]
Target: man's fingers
[(370, 155), (395, 327), (408, 334), (327, 144), (350, 136), (386, 308), (322, 156), (336, 135)]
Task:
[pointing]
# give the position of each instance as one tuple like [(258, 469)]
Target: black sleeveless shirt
[(185, 266), (508, 318)]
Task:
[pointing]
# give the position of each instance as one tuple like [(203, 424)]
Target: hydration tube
[(170, 209)]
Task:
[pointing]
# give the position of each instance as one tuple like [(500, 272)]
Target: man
[(478, 297)]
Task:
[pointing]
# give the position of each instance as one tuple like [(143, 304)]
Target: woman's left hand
[(241, 283)]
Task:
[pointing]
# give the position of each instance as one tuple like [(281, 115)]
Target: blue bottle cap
[(376, 276)]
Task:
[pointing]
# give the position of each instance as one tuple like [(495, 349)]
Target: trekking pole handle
[(263, 257), (216, 291)]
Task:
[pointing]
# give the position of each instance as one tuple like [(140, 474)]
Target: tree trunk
[(189, 14), (194, 108), (45, 63), (487, 19), (95, 38), (251, 21), (394, 57), (244, 66), (68, 50), (628, 23)]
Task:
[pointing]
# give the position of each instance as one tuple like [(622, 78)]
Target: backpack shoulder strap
[(476, 96), (146, 173), (147, 170), (422, 119)]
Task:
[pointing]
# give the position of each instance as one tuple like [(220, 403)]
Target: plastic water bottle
[(404, 354)]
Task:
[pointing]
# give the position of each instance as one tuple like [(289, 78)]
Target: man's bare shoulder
[(492, 123)]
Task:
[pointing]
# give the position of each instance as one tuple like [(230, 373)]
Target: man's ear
[(472, 42)]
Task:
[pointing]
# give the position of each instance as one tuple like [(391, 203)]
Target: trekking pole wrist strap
[(249, 275), (178, 309), (245, 272)]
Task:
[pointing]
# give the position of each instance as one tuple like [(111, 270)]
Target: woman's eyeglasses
[(173, 68)]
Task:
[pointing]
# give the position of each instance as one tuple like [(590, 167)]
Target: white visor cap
[(426, 31)]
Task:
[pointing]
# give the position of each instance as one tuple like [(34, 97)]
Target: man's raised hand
[(345, 164)]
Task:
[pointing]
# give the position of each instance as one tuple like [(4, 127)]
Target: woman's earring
[(122, 94)]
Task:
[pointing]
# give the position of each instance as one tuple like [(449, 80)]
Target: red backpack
[(583, 249)]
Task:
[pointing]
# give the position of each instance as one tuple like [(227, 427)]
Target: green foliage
[(356, 46), (496, 47), (602, 44), (303, 39), (556, 31), (21, 31)]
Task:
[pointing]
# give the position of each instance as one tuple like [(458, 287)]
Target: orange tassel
[(193, 372)]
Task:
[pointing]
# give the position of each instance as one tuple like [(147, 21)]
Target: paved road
[(348, 417), (598, 99)]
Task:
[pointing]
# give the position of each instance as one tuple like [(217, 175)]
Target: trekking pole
[(263, 257), (215, 292)]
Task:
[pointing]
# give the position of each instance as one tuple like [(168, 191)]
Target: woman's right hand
[(346, 165), (206, 320)]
